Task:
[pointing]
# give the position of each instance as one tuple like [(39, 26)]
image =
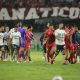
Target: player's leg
[(21, 55), (48, 56), (65, 53), (0, 53), (73, 56), (78, 54), (75, 52), (57, 50), (52, 53), (16, 52), (13, 52), (27, 52), (5, 52), (29, 57), (8, 52)]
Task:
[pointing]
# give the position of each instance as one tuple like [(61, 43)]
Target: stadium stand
[(36, 3)]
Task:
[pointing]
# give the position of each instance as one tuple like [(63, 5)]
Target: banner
[(37, 13)]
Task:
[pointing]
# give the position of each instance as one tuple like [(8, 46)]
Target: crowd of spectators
[(37, 3)]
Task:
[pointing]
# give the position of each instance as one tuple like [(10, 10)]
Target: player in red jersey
[(28, 43), (43, 40), (50, 44), (70, 46), (66, 48), (73, 46)]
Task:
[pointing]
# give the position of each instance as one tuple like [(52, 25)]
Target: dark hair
[(51, 24), (29, 27), (16, 26), (63, 25), (60, 23)]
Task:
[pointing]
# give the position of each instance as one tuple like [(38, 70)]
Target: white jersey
[(15, 37), (61, 34), (1, 38), (6, 38)]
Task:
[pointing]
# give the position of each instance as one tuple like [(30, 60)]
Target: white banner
[(36, 13)]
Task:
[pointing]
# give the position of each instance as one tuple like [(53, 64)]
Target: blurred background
[(38, 24)]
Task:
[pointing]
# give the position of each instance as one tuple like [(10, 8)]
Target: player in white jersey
[(16, 39), (1, 43), (7, 42), (11, 48), (60, 38)]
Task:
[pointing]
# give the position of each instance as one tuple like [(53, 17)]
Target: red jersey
[(28, 43), (67, 41), (49, 32), (51, 38)]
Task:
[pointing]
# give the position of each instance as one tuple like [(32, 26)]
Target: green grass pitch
[(38, 69)]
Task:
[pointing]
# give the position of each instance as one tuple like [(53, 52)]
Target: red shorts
[(50, 45), (28, 45), (73, 47)]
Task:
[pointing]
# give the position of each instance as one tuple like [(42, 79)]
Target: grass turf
[(38, 69)]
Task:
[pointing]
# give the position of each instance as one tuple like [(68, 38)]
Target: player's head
[(50, 26), (61, 26), (30, 28), (17, 25), (67, 29), (72, 30), (15, 28), (7, 29), (67, 26)]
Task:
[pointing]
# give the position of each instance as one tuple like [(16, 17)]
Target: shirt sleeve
[(56, 33), (27, 36), (19, 34)]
